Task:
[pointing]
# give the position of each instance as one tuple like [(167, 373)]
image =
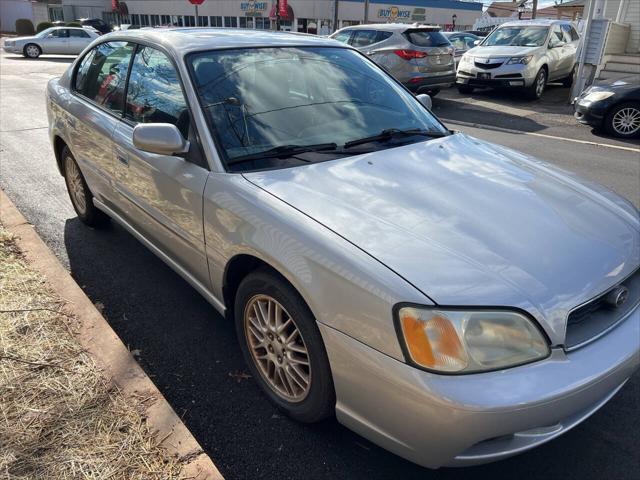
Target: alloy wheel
[(540, 83), (626, 121), (75, 185), (277, 348), (33, 51)]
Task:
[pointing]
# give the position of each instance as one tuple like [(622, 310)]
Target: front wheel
[(32, 50), (79, 193), (624, 120), (283, 348), (535, 91)]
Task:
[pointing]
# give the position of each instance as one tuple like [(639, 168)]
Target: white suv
[(522, 54)]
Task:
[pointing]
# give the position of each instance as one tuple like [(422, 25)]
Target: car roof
[(184, 40), (68, 28), (542, 22), (390, 27)]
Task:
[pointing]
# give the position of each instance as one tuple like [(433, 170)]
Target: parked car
[(452, 300), (478, 33), (97, 23), (420, 57), (612, 106), (461, 42), (522, 54), (55, 40)]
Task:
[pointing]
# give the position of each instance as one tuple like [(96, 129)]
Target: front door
[(162, 194), (56, 42)]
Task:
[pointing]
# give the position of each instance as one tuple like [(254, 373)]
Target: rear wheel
[(465, 89), (283, 348), (535, 91), (81, 196), (31, 50), (432, 93), (624, 120)]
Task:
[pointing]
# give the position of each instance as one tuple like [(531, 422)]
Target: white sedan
[(58, 40)]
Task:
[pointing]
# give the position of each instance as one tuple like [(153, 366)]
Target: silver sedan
[(55, 40), (452, 300)]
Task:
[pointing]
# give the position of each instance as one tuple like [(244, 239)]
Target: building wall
[(12, 10), (409, 11)]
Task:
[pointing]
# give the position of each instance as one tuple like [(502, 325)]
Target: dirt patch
[(59, 416)]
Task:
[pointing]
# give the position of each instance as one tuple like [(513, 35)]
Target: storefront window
[(231, 22), (307, 25), (135, 19), (348, 23), (189, 21), (155, 20), (176, 20), (246, 22), (144, 20), (263, 23), (215, 21), (165, 19), (203, 21)]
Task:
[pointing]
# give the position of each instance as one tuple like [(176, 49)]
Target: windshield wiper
[(283, 151), (391, 133)]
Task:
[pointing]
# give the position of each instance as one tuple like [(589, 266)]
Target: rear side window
[(60, 33), (154, 93), (426, 38), (78, 33), (570, 33), (102, 74)]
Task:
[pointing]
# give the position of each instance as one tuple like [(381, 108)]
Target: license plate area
[(484, 76)]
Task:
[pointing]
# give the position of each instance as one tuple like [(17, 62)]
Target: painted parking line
[(543, 135)]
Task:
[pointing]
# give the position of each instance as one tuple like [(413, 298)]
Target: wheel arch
[(24, 48), (58, 146)]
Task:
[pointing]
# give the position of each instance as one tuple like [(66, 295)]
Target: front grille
[(488, 66), (595, 318), (509, 75)]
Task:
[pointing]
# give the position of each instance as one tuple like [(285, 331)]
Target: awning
[(288, 17)]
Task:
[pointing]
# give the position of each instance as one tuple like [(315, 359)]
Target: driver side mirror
[(425, 100), (476, 42), (557, 44), (159, 138)]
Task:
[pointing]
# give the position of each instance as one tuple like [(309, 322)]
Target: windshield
[(261, 99), (517, 36), (45, 32)]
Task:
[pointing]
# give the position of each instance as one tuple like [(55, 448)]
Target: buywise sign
[(252, 8), (393, 14)]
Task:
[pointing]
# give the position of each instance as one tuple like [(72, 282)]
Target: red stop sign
[(196, 2)]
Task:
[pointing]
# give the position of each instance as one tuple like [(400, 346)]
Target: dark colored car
[(612, 106), (478, 33), (97, 23)]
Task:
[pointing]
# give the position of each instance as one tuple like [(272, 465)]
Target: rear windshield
[(426, 38)]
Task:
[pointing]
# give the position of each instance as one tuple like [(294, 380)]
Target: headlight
[(522, 60), (459, 341), (466, 59), (597, 96)]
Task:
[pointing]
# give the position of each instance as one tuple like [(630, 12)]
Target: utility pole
[(335, 15), (366, 11), (277, 15), (534, 9), (197, 15)]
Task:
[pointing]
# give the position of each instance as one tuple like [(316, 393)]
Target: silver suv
[(523, 54), (420, 57)]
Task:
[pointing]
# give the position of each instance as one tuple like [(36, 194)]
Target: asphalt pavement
[(191, 353)]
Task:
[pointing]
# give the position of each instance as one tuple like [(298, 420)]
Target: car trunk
[(437, 49)]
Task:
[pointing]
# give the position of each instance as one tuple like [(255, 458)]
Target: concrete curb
[(110, 354)]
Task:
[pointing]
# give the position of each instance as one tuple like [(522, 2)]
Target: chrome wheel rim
[(626, 121), (277, 348), (540, 84), (32, 51), (74, 183)]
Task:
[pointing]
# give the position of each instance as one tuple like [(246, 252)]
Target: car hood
[(501, 51), (24, 39), (471, 223)]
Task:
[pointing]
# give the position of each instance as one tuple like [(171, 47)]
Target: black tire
[(633, 108), (432, 93), (534, 92), (86, 211), (319, 402), (31, 50), (465, 89), (568, 81)]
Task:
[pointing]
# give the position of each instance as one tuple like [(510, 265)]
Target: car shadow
[(191, 354), (632, 142), (48, 58)]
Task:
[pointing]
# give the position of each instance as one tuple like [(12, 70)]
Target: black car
[(613, 106), (97, 23)]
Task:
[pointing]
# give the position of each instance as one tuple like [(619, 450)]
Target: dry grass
[(59, 417)]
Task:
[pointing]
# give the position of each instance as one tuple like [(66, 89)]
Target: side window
[(556, 36), (102, 74), (154, 93), (458, 43), (60, 33), (362, 38), (78, 34), (343, 36), (383, 36), (570, 34)]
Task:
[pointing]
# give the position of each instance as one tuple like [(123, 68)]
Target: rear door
[(98, 88), (162, 194), (78, 40)]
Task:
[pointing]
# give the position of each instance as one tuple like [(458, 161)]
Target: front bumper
[(505, 76), (447, 420), (590, 113), (12, 49)]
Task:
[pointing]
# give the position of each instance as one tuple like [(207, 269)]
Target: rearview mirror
[(160, 138), (425, 100)]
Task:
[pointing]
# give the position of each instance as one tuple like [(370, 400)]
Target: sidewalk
[(73, 402)]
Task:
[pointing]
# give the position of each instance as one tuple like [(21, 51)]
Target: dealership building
[(310, 16)]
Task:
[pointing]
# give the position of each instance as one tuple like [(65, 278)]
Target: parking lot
[(191, 353)]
